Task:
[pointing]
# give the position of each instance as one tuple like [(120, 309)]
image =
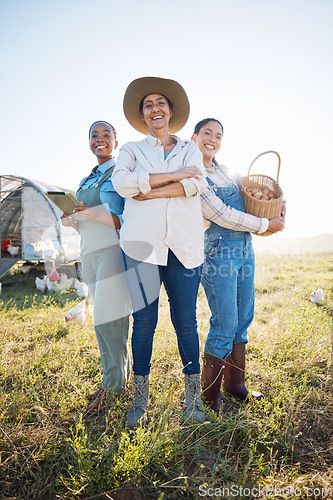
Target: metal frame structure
[(36, 230)]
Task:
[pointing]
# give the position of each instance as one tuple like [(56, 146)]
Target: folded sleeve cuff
[(189, 187), (264, 226), (193, 186), (143, 182)]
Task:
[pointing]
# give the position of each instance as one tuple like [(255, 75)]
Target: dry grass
[(52, 448)]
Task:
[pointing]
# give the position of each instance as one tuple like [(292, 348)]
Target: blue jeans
[(181, 284), (228, 281)]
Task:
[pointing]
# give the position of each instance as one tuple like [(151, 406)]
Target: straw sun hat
[(139, 88)]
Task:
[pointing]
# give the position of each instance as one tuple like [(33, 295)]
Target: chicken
[(317, 297), (81, 288), (50, 284), (65, 283), (59, 287), (77, 313), (41, 283), (12, 250), (55, 286)]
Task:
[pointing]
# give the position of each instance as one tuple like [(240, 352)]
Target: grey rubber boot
[(137, 413), (194, 410)]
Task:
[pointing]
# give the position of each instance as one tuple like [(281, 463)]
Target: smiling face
[(102, 141), (209, 139), (156, 113)]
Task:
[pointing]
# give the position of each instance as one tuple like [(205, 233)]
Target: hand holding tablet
[(65, 201)]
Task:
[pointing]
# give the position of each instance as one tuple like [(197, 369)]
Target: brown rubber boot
[(211, 378), (234, 375)]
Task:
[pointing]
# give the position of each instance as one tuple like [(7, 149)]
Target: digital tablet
[(65, 201)]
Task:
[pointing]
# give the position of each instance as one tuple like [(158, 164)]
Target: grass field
[(281, 447)]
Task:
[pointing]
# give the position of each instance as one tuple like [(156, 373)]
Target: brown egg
[(254, 191), (265, 191), (271, 195), (265, 197), (257, 195)]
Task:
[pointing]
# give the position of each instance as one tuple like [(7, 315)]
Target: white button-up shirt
[(152, 227)]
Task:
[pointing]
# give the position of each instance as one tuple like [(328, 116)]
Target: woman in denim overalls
[(98, 223), (228, 274)]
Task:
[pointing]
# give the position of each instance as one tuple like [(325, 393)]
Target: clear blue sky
[(262, 67)]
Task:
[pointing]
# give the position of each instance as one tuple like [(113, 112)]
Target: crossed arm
[(168, 185), (171, 190), (174, 189)]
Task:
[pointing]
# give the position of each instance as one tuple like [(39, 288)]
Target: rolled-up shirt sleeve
[(193, 186), (216, 211), (129, 183)]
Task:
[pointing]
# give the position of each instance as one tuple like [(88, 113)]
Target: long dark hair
[(204, 122)]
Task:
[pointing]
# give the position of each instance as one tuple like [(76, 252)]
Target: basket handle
[(277, 154)]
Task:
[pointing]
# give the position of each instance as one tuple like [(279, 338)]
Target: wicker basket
[(262, 208)]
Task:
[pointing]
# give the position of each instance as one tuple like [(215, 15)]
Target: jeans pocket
[(211, 245)]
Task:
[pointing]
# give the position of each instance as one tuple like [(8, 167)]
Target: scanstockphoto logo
[(268, 491)]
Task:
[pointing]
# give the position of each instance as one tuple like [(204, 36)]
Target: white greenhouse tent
[(30, 221)]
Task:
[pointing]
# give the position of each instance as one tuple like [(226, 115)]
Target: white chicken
[(317, 297), (41, 283), (58, 286), (81, 288), (12, 250), (50, 285), (77, 313), (65, 283)]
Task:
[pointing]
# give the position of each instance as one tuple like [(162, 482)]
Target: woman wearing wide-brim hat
[(162, 233)]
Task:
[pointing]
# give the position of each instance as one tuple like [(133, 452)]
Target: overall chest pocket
[(226, 194), (230, 196)]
